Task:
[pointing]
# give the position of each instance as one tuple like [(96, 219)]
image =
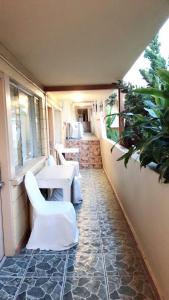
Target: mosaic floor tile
[(94, 246), (8, 288), (14, 266), (87, 216), (25, 251), (89, 229), (49, 252), (126, 263), (113, 246), (40, 288), (85, 265), (88, 223), (117, 227), (89, 234), (105, 260), (130, 288), (120, 238), (46, 266), (93, 288), (109, 232)]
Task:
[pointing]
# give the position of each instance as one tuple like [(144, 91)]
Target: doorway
[(84, 117)]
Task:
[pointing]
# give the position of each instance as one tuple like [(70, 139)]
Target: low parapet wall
[(145, 203)]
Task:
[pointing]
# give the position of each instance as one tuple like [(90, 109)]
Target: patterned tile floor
[(105, 265)]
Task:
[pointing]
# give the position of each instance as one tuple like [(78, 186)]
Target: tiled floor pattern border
[(104, 265)]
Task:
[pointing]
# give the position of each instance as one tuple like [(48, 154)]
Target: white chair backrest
[(34, 194), (51, 161), (58, 146), (61, 157)]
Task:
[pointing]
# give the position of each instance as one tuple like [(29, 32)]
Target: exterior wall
[(145, 203), (20, 213), (98, 125), (16, 205), (68, 111)]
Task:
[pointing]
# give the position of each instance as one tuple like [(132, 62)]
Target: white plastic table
[(59, 176), (69, 150)]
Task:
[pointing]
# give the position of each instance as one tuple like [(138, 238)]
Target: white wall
[(68, 111), (146, 204), (98, 124)]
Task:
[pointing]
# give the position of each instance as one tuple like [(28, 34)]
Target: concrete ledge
[(34, 165)]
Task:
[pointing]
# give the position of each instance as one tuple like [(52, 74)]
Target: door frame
[(58, 126), (5, 161), (51, 134)]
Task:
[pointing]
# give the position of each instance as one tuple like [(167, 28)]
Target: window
[(26, 129)]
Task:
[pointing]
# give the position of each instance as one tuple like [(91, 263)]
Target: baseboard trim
[(153, 280)]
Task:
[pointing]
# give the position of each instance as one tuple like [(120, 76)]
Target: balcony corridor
[(105, 265)]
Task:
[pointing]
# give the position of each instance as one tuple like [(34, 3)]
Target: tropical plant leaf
[(151, 112), (127, 156), (149, 104), (164, 75), (153, 92)]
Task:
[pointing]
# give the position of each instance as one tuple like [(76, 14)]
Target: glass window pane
[(26, 126), (16, 128), (26, 132), (38, 145)]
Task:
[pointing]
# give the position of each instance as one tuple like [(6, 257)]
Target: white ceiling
[(81, 96), (70, 42)]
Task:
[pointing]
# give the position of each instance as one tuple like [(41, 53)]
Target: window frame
[(35, 126)]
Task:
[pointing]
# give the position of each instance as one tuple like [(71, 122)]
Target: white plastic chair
[(76, 130), (54, 222), (74, 163), (56, 194), (57, 147), (51, 161)]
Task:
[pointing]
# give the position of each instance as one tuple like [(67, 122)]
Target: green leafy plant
[(152, 53), (152, 129), (111, 100), (134, 104), (146, 115), (112, 133)]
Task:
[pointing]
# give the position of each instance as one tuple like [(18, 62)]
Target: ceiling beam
[(85, 87)]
